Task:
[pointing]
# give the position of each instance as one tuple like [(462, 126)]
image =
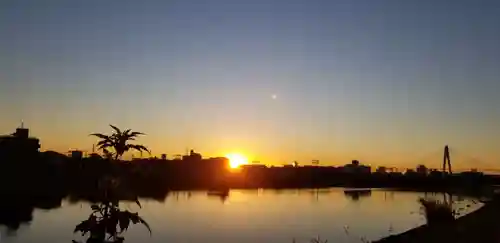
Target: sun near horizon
[(236, 160)]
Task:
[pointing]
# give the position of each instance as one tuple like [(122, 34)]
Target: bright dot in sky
[(236, 160), (274, 96)]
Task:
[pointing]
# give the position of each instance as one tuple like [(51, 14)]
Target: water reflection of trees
[(13, 215), (16, 211)]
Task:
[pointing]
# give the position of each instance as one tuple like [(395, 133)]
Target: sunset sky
[(382, 81)]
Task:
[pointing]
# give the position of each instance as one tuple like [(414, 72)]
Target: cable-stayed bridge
[(457, 160)]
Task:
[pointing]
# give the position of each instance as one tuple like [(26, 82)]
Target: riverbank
[(480, 226)]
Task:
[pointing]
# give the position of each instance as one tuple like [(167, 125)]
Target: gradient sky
[(385, 81)]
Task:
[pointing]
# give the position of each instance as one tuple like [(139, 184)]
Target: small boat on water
[(223, 194), (358, 190), (218, 192), (355, 194)]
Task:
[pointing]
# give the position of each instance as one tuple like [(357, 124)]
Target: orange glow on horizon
[(236, 160)]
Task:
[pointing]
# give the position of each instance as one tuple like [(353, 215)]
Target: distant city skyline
[(383, 82)]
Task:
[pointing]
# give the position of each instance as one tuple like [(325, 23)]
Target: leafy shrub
[(437, 212), (107, 222)]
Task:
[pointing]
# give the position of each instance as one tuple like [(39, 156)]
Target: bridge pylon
[(446, 160)]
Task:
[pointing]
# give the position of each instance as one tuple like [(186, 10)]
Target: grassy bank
[(478, 226)]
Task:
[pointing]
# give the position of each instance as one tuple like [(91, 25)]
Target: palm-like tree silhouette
[(118, 141)]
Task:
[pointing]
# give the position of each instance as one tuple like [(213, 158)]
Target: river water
[(274, 216)]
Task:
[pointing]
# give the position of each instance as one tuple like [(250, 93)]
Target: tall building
[(19, 145)]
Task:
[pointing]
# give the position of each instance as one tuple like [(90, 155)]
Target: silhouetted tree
[(118, 141), (107, 222)]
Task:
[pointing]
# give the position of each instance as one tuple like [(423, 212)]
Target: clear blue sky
[(385, 81)]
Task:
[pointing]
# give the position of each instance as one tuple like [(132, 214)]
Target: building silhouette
[(356, 167), (76, 154), (19, 145), (381, 170), (192, 156), (422, 170)]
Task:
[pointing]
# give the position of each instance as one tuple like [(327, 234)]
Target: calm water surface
[(246, 216)]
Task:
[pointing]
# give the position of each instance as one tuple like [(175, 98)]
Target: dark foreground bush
[(437, 212)]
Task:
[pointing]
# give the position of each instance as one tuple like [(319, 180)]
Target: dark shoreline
[(479, 226), (48, 174)]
